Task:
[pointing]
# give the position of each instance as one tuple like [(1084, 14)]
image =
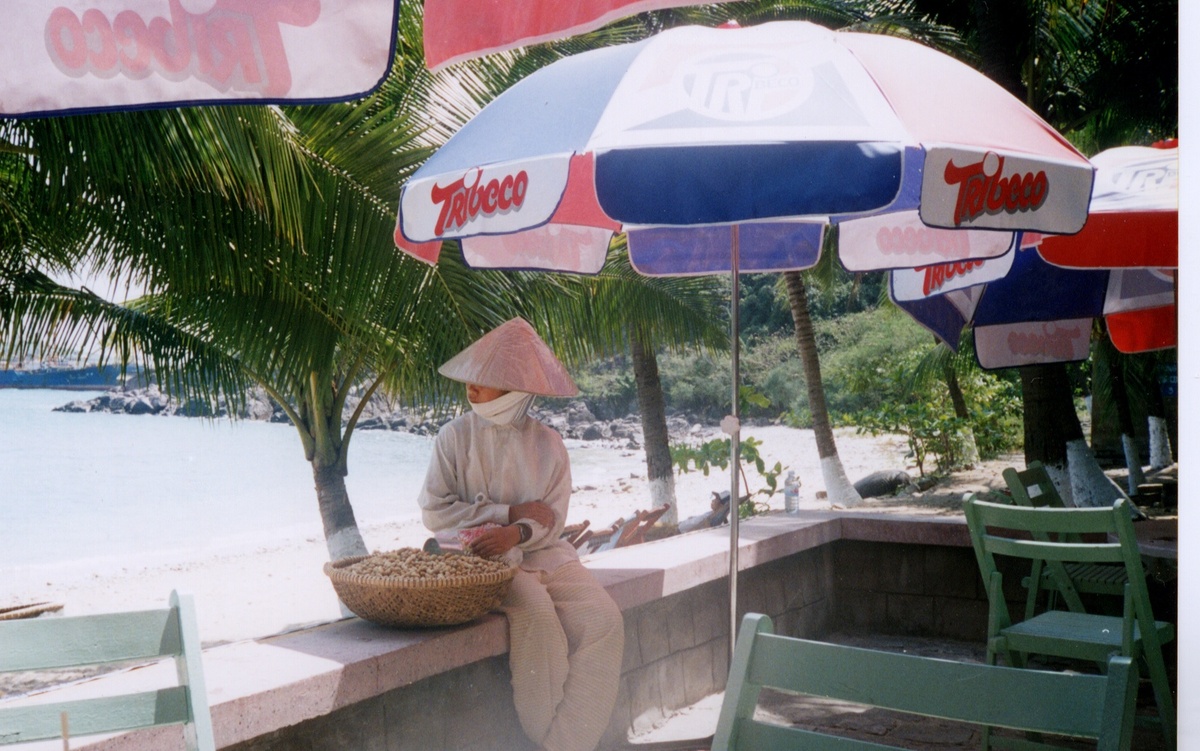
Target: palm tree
[(263, 239), (659, 313), (840, 490), (262, 236)]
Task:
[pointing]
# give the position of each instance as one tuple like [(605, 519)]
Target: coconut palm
[(262, 237)]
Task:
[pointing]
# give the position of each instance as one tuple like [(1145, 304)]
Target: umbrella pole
[(734, 443)]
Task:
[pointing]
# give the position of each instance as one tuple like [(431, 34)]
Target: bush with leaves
[(930, 429), (704, 456)]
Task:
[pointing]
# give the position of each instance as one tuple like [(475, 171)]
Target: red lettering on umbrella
[(462, 203), (235, 45), (937, 276), (982, 190)]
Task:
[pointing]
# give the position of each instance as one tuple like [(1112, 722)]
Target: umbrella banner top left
[(79, 56)]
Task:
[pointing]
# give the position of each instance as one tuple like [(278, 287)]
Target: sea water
[(89, 489), (95, 486)]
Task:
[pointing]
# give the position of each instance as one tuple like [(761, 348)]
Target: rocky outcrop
[(151, 401), (572, 419)]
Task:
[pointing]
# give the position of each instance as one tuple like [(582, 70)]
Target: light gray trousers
[(566, 638)]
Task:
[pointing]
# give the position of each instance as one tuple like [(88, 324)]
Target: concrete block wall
[(468, 709), (352, 685), (676, 653), (677, 648), (914, 590)]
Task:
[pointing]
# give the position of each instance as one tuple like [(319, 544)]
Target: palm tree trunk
[(1054, 436), (1161, 454), (967, 436), (652, 408), (838, 488), (342, 537), (1000, 26), (1120, 397)]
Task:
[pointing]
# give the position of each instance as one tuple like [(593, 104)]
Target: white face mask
[(504, 409)]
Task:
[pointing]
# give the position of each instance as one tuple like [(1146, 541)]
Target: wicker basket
[(408, 602)]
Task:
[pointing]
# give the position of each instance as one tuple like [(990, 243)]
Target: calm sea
[(77, 486), (93, 487)]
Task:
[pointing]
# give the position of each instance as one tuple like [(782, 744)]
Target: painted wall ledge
[(260, 686)]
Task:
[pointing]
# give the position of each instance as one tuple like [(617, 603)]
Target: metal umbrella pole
[(734, 430)]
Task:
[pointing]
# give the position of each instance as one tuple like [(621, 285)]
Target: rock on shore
[(573, 419)]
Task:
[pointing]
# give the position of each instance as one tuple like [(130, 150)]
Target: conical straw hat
[(511, 357)]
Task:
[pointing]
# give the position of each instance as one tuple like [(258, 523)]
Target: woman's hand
[(496, 542), (533, 510)]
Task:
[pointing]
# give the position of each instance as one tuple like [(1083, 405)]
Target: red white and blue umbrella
[(1133, 220), (1120, 266), (733, 149), (787, 123), (1038, 313)]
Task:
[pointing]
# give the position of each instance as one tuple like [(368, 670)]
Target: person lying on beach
[(497, 466)]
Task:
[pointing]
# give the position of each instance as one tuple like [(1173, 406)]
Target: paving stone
[(698, 674), (681, 629), (671, 682), (653, 634)]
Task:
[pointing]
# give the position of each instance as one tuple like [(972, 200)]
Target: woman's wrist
[(524, 532)]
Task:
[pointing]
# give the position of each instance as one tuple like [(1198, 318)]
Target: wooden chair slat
[(1092, 706), (104, 639), (105, 714)]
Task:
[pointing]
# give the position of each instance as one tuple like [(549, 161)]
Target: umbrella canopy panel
[(1134, 214)]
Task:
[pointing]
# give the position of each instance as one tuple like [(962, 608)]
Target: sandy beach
[(272, 587)]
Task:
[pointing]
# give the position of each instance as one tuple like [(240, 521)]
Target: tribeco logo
[(234, 44), (745, 87), (937, 276), (982, 190), (463, 201)]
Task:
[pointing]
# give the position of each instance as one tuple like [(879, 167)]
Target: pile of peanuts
[(411, 563)]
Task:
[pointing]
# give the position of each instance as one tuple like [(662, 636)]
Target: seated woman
[(497, 466)]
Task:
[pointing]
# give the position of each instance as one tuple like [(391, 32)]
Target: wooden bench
[(92, 640), (1091, 706)]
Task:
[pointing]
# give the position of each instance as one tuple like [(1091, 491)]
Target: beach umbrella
[(1132, 228), (1125, 256), (82, 56), (1133, 219), (1025, 311), (729, 150)]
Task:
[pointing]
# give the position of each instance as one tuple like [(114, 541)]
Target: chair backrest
[(1058, 536), (1093, 706), (43, 644), (1032, 486)]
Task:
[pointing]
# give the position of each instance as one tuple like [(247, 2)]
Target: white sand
[(275, 587)]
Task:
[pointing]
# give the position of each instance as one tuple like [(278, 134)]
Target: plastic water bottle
[(791, 494)]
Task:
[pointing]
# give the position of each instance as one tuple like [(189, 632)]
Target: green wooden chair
[(43, 644), (1033, 488), (1053, 535), (1090, 706)]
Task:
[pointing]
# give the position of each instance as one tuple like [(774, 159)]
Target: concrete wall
[(354, 686), (676, 648)]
